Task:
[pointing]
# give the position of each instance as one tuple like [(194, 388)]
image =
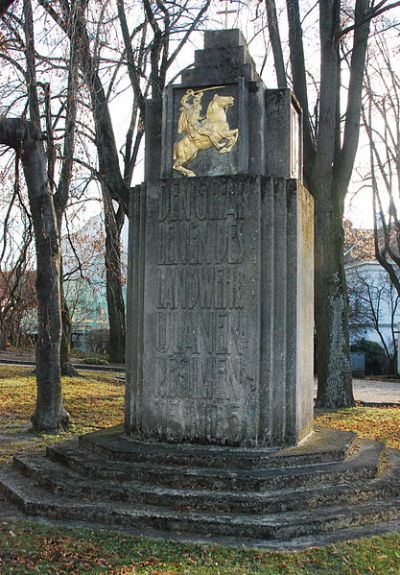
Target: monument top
[(225, 57), (224, 39), (221, 120)]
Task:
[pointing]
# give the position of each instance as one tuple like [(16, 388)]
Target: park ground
[(95, 400)]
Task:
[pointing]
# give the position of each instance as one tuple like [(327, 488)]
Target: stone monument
[(220, 311), (217, 444)]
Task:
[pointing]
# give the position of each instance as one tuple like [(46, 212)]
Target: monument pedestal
[(330, 487), (227, 324)]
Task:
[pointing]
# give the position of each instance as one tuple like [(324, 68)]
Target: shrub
[(95, 360)]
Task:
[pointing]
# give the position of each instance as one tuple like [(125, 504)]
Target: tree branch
[(299, 80), (274, 35), (344, 165)]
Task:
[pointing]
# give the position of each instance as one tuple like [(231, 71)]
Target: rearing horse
[(212, 132)]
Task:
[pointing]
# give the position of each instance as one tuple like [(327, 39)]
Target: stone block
[(224, 39), (228, 320), (283, 135)]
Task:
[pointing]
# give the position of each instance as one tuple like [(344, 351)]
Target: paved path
[(79, 365), (372, 391), (376, 391)]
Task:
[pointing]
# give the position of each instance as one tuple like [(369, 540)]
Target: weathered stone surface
[(200, 375), (282, 144), (228, 316), (225, 56), (362, 466), (324, 446), (56, 479)]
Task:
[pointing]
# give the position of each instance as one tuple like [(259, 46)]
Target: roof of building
[(358, 243)]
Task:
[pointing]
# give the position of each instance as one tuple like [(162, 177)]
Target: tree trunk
[(50, 415), (331, 306), (115, 301), (275, 39), (328, 163), (116, 308), (3, 336)]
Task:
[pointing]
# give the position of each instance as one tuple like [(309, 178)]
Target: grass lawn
[(35, 549), (95, 400), (378, 423)]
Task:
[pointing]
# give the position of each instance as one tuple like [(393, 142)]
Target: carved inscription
[(203, 370), (204, 287), (202, 201), (201, 242), (203, 418)]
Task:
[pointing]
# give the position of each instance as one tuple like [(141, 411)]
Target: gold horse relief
[(202, 132)]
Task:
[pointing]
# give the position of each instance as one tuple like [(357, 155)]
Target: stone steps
[(278, 526), (324, 446), (363, 465), (349, 486), (55, 478)]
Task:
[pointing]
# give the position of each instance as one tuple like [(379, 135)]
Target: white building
[(374, 306)]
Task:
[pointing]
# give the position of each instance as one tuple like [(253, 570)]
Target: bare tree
[(26, 138), (62, 191), (60, 158), (15, 256), (47, 198), (146, 57), (85, 280), (381, 118), (374, 304), (330, 143)]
